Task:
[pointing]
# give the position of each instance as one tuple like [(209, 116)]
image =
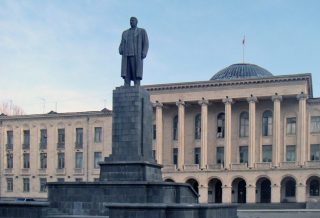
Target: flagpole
[(243, 44)]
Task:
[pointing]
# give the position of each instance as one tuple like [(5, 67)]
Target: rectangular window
[(97, 159), (175, 156), (26, 160), (220, 155), (197, 155), (26, 139), (9, 160), (79, 160), (9, 139), (315, 152), (9, 184), (154, 132), (291, 126), (60, 179), (43, 138), (243, 154), (43, 184), (79, 137), (97, 134), (78, 179), (315, 124), (43, 160), (266, 153), (291, 153), (61, 138), (61, 160), (26, 185)]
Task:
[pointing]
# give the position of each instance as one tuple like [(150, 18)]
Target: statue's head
[(133, 22)]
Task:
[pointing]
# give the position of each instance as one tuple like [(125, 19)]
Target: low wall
[(22, 209), (290, 213)]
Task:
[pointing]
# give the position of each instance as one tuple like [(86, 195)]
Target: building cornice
[(312, 101), (103, 113), (224, 83)]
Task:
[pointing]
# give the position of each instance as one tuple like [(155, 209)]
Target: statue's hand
[(143, 56)]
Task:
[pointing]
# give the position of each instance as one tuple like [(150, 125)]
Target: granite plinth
[(130, 171)]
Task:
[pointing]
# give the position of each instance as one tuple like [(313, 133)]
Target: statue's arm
[(121, 44), (145, 44)]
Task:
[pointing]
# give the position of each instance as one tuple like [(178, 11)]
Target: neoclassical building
[(242, 136), (41, 148)]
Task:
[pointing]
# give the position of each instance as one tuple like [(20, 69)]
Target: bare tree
[(8, 108)]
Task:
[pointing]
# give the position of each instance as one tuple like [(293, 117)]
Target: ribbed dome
[(241, 71)]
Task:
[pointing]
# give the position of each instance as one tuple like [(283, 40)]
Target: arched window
[(267, 123), (314, 188), (197, 126), (290, 188), (244, 124), (220, 125), (175, 127)]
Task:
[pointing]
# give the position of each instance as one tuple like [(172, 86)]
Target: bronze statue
[(133, 48)]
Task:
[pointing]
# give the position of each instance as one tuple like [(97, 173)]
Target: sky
[(62, 55)]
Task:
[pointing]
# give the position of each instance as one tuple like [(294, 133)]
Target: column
[(276, 147), (203, 192), (204, 133), (181, 118), (302, 128), (301, 193), (251, 194), (227, 138), (275, 193), (252, 130), (159, 132), (226, 194)]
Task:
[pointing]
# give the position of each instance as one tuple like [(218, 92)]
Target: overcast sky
[(65, 52)]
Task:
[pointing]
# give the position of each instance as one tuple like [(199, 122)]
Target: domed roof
[(241, 71)]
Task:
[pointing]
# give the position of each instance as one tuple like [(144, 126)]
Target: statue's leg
[(127, 78)]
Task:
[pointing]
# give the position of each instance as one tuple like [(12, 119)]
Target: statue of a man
[(133, 48)]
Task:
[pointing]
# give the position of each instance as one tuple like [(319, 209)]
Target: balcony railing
[(313, 164), (43, 145), (78, 145), (239, 166), (9, 146), (25, 146), (215, 166), (291, 164), (78, 171), (60, 145), (25, 171), (8, 171), (60, 171), (191, 167), (42, 171), (169, 168), (263, 165)]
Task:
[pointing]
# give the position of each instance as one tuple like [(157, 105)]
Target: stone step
[(272, 206)]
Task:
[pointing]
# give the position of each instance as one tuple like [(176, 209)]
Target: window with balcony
[(61, 138), (291, 153), (197, 126), (26, 185), (197, 155), (98, 134), (97, 159), (243, 154), (267, 123), (26, 160), (220, 155), (43, 138), (43, 160), (291, 126), (26, 139), (79, 137), (266, 153), (61, 160), (314, 152), (9, 184), (315, 124), (175, 127), (175, 156), (9, 139), (220, 125), (79, 160), (9, 160), (244, 124), (43, 185)]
